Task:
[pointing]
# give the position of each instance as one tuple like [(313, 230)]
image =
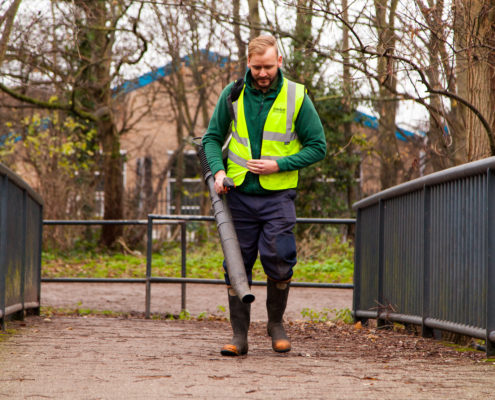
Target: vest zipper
[(262, 103)]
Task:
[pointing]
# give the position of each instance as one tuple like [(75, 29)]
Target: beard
[(264, 83)]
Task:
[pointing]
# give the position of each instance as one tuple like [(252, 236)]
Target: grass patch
[(6, 334), (184, 315), (321, 262), (328, 314), (49, 312), (460, 348)]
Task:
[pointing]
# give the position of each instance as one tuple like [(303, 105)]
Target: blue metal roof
[(372, 122), (162, 72)]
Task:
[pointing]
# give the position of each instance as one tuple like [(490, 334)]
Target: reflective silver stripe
[(234, 105), (241, 140), (288, 136), (291, 105), (236, 159), (227, 142), (279, 137), (271, 157)]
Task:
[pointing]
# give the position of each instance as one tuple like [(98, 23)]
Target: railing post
[(20, 314), (37, 311), (183, 245), (4, 182), (426, 331), (149, 250), (381, 234), (356, 294), (490, 265)]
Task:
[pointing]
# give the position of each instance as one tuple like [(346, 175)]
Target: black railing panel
[(458, 225), (20, 246), (367, 270), (14, 245), (403, 233), (32, 276), (435, 257)]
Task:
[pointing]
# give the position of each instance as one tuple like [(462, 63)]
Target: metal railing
[(21, 216), (425, 253), (181, 220)]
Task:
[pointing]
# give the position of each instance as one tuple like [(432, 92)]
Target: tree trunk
[(472, 29), (302, 70), (241, 46), (8, 22), (440, 146), (351, 195), (390, 162), (93, 91), (113, 180), (254, 19)]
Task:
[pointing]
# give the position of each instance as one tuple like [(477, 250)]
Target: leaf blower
[(226, 231)]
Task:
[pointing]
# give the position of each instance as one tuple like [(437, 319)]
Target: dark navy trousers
[(264, 224)]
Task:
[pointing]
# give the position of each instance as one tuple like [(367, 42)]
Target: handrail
[(19, 182), (446, 175)]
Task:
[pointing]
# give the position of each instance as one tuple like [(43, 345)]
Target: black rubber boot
[(276, 301), (239, 319)]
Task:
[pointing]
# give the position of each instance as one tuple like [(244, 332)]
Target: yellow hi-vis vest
[(279, 138)]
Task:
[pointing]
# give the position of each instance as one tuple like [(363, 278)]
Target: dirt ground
[(93, 357)]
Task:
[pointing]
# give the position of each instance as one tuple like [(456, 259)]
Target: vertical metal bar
[(426, 331), (381, 231), (20, 314), (3, 245), (40, 249), (490, 264), (183, 243), (470, 273), (149, 248), (460, 264), (450, 271), (482, 258), (356, 294), (437, 216), (442, 302), (480, 197)]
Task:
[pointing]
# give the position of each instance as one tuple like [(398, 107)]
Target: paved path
[(66, 357)]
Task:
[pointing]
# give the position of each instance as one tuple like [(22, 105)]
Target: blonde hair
[(260, 44)]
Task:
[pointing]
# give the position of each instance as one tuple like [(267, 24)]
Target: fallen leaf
[(218, 377), (153, 376)]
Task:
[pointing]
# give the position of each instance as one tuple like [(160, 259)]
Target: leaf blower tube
[(225, 225)]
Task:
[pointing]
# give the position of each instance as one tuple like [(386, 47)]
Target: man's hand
[(263, 167), (219, 177)]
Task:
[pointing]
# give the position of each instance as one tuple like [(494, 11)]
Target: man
[(275, 132)]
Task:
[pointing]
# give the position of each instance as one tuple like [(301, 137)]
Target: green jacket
[(257, 105)]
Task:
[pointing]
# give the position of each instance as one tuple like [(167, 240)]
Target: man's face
[(264, 68)]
